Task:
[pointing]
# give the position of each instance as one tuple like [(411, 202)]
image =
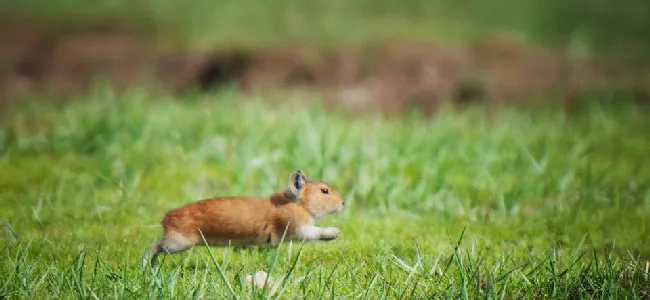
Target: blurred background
[(113, 112), (361, 55)]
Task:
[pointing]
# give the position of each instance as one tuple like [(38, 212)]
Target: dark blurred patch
[(391, 77), (223, 69)]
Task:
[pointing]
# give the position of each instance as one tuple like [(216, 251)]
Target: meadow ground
[(466, 204)]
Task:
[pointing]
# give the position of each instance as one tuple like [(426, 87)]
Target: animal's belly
[(241, 235), (235, 242)]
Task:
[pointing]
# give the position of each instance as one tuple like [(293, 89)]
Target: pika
[(252, 220)]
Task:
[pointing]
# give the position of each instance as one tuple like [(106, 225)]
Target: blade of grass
[(214, 261)]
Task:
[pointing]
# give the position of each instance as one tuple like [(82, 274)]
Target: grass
[(201, 23), (604, 29), (463, 205)]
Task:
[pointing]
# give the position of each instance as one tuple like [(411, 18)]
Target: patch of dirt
[(390, 77)]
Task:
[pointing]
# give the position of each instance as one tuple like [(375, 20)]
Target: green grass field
[(588, 27), (245, 23), (464, 205)]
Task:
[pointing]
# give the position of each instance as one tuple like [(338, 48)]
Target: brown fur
[(252, 221)]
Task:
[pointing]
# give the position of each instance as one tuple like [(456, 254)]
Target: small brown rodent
[(252, 220)]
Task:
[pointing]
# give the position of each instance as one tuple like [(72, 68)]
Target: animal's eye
[(325, 191)]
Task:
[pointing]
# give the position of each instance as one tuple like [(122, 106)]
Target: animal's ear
[(297, 182)]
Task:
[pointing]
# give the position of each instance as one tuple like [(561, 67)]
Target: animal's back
[(241, 220)]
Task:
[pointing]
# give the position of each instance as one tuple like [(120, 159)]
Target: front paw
[(330, 233)]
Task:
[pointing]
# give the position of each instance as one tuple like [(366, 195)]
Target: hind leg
[(151, 255), (170, 244)]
